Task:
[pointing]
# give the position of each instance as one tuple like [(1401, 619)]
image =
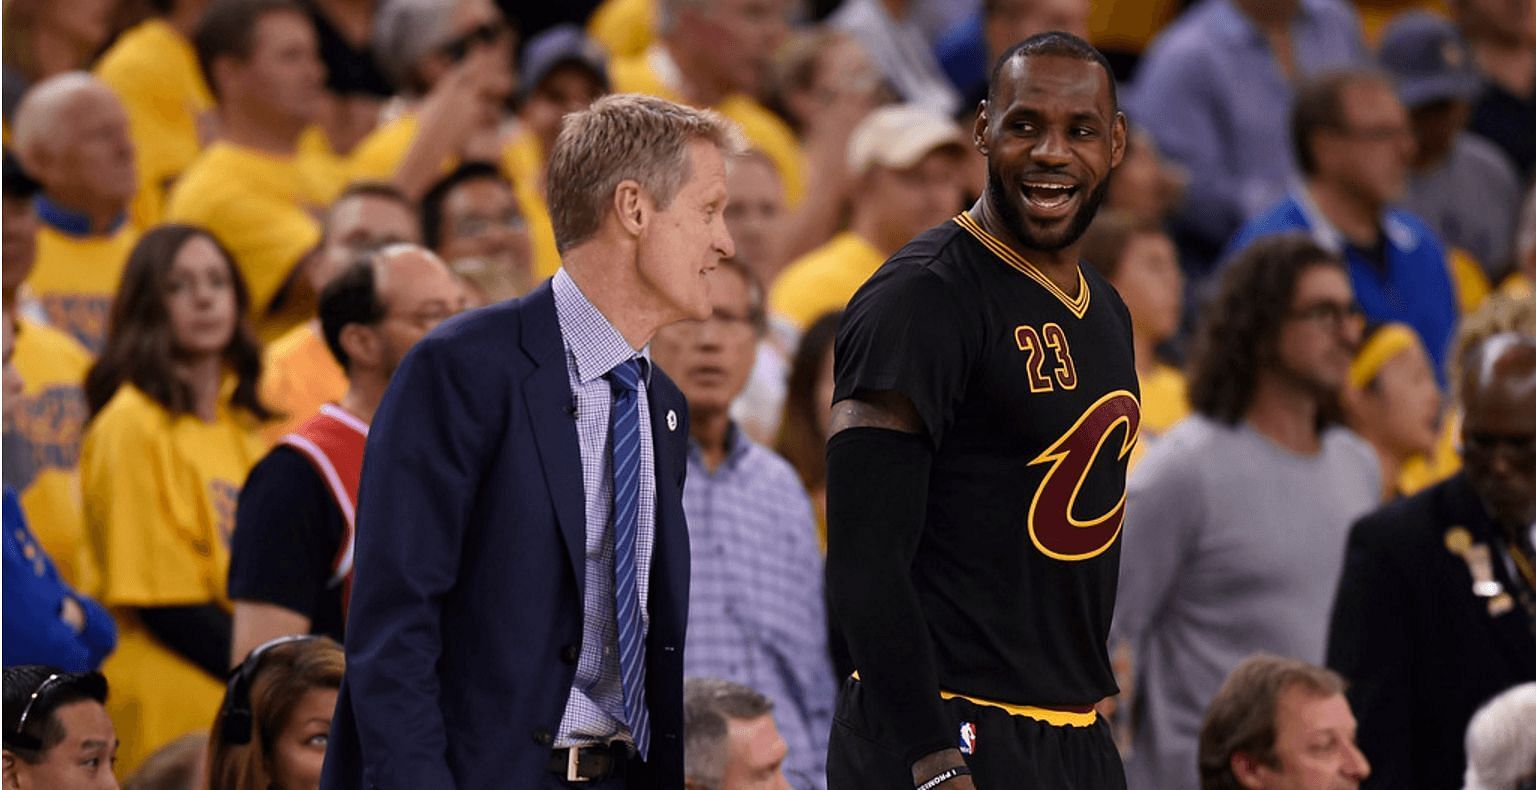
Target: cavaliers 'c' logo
[(1053, 528)]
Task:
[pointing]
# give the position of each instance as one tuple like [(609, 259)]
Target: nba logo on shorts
[(967, 738)]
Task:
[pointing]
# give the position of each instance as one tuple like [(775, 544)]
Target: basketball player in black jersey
[(984, 410)]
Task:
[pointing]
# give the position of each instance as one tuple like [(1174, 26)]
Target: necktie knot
[(627, 374)]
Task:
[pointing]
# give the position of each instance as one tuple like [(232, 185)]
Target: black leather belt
[(589, 763)]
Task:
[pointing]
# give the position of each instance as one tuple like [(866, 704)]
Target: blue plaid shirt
[(756, 614), (595, 709)]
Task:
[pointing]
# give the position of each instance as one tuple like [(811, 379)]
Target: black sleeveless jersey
[(1031, 401)]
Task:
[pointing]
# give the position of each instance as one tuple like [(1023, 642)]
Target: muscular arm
[(257, 622), (878, 461)]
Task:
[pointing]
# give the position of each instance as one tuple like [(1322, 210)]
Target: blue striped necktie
[(625, 422)]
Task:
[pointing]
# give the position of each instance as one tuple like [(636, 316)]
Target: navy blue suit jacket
[(465, 620)]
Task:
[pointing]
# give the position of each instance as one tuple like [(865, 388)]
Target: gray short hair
[(624, 136), (1501, 741), (708, 706)]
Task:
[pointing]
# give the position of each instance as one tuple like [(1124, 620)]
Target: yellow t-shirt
[(1517, 285), (298, 376), (42, 445), (153, 69), (824, 279), (264, 208), (624, 27), (1164, 400), (522, 161), (763, 130), (377, 155), (75, 278), (160, 493)]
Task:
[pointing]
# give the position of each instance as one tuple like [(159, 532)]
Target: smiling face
[(299, 749), (1051, 135), (681, 244)]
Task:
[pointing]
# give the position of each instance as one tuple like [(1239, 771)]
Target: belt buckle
[(573, 765)]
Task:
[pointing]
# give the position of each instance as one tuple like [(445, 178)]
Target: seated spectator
[(153, 70), (968, 50), (452, 60), (717, 54), (822, 84), (1499, 33), (273, 724), (905, 160), (356, 87), (171, 438), (298, 372), (1436, 609), (44, 39), (1353, 142), (1280, 723), (807, 413), (255, 189), (42, 434), (1211, 87), (753, 217), (562, 71), (1146, 185), (46, 621), (290, 564), (756, 612), (1392, 401), (57, 734), (1501, 742), (1139, 260), (1461, 185), (729, 738), (181, 764), (1239, 512), (895, 41), (472, 220), (72, 136)]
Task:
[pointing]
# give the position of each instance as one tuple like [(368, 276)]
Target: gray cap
[(405, 31), (559, 46), (1428, 60)]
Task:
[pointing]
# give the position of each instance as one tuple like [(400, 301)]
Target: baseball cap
[(405, 31), (898, 136), (559, 46), (1427, 60)]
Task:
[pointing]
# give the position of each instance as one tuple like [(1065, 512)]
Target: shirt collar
[(1398, 235), (593, 341), (70, 221), (736, 446)]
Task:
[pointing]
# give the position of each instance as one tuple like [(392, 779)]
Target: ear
[(225, 71), (1246, 770), (1119, 131), (361, 344), (979, 130), (632, 207), (10, 778)]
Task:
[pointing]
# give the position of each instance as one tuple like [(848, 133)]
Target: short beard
[(1014, 223)]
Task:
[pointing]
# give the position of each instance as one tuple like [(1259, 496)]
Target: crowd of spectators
[(226, 222)]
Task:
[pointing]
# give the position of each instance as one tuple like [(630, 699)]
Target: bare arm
[(257, 622)]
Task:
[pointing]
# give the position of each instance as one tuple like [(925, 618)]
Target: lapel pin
[(671, 420), (1480, 564)]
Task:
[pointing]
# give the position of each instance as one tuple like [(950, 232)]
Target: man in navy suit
[(521, 588)]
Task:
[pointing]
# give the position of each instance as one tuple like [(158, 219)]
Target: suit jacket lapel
[(547, 393), (1513, 627)]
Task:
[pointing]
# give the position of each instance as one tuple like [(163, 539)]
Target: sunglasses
[(485, 34)]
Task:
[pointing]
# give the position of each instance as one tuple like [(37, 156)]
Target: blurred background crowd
[(190, 186)]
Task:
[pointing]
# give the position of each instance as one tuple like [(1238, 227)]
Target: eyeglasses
[(21, 738), (480, 35), (475, 226), (1332, 315)]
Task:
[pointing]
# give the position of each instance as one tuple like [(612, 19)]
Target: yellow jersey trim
[(1078, 306), (1057, 718)]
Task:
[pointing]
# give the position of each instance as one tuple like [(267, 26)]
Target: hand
[(72, 615), (935, 764)]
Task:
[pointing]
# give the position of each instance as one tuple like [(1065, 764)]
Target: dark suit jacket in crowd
[(1421, 652), (465, 620)]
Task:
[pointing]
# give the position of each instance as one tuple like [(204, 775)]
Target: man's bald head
[(72, 135), (1498, 392)]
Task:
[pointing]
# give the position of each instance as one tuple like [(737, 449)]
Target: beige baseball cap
[(898, 136)]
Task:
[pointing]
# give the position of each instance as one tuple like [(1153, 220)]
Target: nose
[(1051, 150), (1355, 765), (723, 243)]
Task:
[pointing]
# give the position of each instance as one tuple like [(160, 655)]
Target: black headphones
[(235, 716)]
